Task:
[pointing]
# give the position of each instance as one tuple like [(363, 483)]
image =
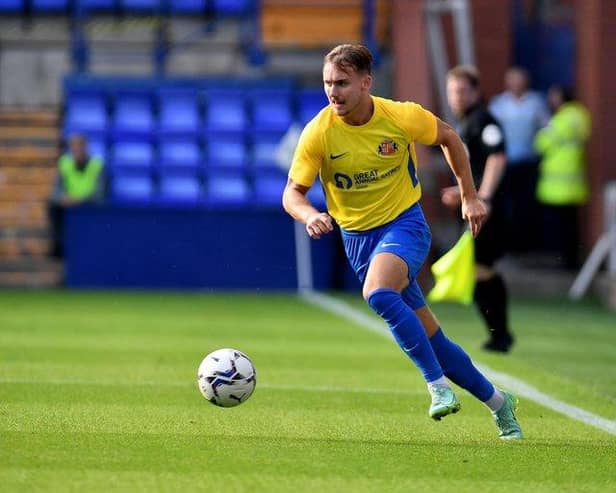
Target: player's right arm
[(306, 164), (298, 206)]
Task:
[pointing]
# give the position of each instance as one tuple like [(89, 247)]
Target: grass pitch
[(98, 393)]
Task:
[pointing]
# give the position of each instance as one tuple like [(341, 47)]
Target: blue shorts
[(408, 236)]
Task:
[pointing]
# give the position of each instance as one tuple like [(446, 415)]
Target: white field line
[(301, 388), (516, 385)]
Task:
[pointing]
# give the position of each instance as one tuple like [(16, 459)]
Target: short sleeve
[(308, 156), (420, 124), (491, 136)]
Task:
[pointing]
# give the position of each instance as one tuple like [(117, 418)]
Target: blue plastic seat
[(264, 148), (310, 102), (225, 151), (11, 6), (271, 110), (233, 7), (227, 190), (183, 189), (178, 113), (96, 5), (179, 153), (86, 114), (97, 147), (268, 188), (132, 188), (187, 6), (49, 6), (225, 111), (138, 6), (133, 116), (132, 154)]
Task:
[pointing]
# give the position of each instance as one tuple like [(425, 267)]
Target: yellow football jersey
[(369, 172)]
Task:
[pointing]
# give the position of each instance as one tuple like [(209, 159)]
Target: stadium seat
[(233, 7), (179, 153), (187, 6), (227, 190), (264, 148), (133, 116), (225, 151), (149, 6), (96, 5), (85, 113), (184, 189), (310, 102), (271, 110), (268, 187), (132, 188), (49, 6), (225, 111), (97, 147), (11, 6), (178, 112), (132, 154)]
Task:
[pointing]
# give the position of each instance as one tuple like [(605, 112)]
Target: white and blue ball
[(226, 377)]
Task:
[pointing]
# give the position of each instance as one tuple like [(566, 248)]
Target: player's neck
[(362, 114)]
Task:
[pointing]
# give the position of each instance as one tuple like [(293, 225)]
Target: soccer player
[(363, 149), (485, 142)]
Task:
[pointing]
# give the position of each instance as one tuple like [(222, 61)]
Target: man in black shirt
[(485, 145)]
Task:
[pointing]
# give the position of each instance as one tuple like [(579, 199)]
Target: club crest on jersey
[(387, 148)]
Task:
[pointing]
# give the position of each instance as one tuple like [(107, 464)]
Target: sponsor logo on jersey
[(343, 181), (387, 148)]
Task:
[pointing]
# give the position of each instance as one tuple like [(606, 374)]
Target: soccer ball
[(226, 377)]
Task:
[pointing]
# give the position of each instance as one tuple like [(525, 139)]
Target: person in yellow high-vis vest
[(78, 181), (562, 186)]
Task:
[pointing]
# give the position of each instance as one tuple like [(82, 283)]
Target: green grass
[(98, 393)]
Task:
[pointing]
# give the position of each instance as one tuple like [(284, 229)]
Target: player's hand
[(319, 224), (450, 196), (474, 211)]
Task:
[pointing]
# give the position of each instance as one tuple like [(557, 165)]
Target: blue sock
[(407, 330), (459, 368)]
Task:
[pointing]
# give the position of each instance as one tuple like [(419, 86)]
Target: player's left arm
[(473, 209), (492, 175)]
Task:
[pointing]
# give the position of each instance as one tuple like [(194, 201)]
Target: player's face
[(347, 90), (461, 95)]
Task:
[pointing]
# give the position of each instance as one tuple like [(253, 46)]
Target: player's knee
[(382, 300)]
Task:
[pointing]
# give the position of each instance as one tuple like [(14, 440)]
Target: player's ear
[(366, 82)]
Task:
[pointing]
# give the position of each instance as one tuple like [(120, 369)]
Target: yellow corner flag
[(454, 273)]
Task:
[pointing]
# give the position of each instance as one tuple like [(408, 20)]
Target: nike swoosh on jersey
[(337, 156), (385, 245)]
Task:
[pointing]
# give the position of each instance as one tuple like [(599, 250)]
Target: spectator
[(521, 113), (79, 180), (562, 186)]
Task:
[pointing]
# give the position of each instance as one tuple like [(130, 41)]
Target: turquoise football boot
[(444, 402), (506, 422)]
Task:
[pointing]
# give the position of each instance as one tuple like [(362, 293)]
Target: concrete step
[(24, 136), (22, 175), (24, 193), (19, 248), (31, 273), (12, 117), (20, 214)]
